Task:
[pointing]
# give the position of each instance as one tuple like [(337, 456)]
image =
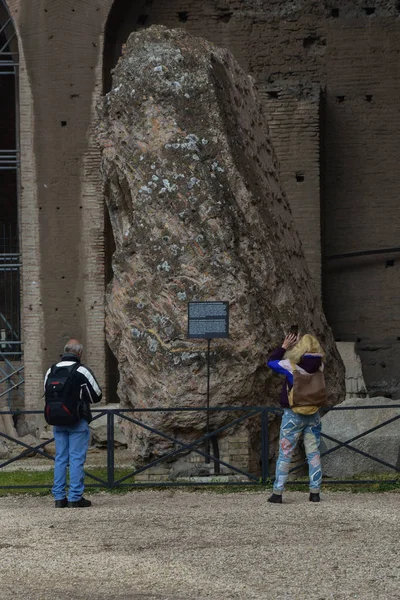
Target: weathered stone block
[(383, 443), (354, 380)]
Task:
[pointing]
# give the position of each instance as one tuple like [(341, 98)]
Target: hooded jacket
[(309, 363)]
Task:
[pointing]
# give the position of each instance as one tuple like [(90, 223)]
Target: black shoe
[(82, 503), (61, 503), (275, 499), (314, 497)]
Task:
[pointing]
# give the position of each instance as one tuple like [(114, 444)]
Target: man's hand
[(289, 341)]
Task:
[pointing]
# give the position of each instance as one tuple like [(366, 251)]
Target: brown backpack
[(308, 392)]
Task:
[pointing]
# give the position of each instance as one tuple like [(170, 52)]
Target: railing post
[(264, 446), (207, 458), (110, 448), (217, 466)]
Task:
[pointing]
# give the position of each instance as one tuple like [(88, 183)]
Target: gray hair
[(75, 348)]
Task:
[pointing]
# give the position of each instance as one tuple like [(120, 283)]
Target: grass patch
[(45, 479), (382, 483)]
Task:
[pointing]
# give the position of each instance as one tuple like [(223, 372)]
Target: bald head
[(73, 347)]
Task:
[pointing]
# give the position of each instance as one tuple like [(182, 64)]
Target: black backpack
[(62, 396)]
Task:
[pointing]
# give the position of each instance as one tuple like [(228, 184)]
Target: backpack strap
[(73, 370), (53, 368), (290, 392), (51, 372)]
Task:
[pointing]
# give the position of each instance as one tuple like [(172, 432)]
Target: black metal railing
[(200, 445)]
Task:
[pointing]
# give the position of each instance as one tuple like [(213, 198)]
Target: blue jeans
[(71, 447), (292, 426)]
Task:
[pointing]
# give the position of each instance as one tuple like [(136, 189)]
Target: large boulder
[(383, 443), (197, 213)]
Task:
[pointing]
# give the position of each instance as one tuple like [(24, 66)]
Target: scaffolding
[(11, 355)]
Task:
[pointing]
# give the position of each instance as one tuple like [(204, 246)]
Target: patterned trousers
[(292, 426)]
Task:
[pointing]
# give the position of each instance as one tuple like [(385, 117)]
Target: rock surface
[(384, 443), (4, 451), (197, 213), (8, 448)]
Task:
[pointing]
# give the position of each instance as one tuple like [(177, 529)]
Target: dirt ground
[(170, 545)]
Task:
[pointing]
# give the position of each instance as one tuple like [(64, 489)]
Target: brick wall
[(61, 203), (294, 121), (234, 449)]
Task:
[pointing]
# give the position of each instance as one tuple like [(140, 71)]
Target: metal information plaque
[(208, 320)]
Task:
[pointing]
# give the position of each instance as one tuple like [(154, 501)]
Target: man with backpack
[(70, 388)]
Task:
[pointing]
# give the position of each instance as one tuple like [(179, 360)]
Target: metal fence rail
[(9, 159), (262, 413)]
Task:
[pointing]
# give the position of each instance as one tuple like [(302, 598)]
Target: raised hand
[(289, 341)]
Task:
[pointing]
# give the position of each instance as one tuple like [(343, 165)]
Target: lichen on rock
[(197, 213)]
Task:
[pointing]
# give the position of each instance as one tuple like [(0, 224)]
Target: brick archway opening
[(10, 258)]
